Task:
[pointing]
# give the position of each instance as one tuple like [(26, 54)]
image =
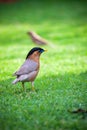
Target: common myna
[(36, 38), (30, 68)]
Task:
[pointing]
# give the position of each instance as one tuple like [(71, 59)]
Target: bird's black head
[(40, 50)]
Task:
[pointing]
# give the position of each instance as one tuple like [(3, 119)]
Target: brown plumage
[(37, 39), (30, 68)]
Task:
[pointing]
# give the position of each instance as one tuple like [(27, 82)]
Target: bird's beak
[(45, 50)]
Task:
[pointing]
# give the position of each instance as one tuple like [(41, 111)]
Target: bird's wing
[(28, 77), (27, 67)]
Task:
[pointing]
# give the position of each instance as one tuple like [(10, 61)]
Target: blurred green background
[(61, 85)]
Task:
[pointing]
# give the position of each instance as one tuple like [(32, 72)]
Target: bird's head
[(35, 52), (31, 33)]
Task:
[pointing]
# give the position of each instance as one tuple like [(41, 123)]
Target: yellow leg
[(33, 89), (23, 86)]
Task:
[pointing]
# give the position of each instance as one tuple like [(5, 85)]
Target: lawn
[(61, 85)]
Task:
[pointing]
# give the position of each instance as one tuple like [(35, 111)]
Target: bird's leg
[(23, 86), (32, 83)]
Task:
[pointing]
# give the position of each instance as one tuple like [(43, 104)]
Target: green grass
[(62, 81)]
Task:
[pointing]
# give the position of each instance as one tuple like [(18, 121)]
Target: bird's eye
[(41, 51)]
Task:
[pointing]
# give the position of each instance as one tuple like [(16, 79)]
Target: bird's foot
[(24, 90), (33, 89)]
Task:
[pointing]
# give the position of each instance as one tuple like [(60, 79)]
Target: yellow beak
[(45, 50)]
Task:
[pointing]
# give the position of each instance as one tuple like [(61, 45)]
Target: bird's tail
[(15, 81)]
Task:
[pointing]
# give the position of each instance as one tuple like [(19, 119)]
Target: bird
[(37, 39), (30, 68)]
